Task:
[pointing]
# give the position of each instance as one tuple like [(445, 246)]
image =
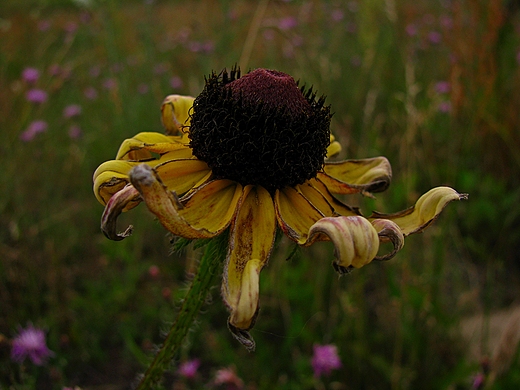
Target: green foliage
[(105, 305)]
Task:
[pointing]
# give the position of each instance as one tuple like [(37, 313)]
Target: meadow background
[(432, 85)]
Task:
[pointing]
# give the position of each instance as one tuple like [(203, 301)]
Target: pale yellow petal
[(425, 211), (353, 176), (181, 175), (338, 207), (251, 241), (333, 148), (205, 214), (142, 146), (295, 214), (175, 113), (356, 241)]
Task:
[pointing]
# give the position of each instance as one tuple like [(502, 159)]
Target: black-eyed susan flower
[(249, 154)]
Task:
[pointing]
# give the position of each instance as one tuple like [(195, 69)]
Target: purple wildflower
[(36, 96), (228, 376), (54, 70), (411, 30), (44, 25), (31, 75), (32, 130), (325, 359), (110, 84), (90, 93), (176, 82), (71, 111), (189, 368), (337, 15), (442, 87), (30, 342), (287, 23), (75, 132), (444, 107), (434, 37)]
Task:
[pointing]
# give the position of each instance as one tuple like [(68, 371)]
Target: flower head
[(325, 359), (33, 129), (30, 343), (250, 155), (36, 96), (189, 368), (71, 111), (30, 75)]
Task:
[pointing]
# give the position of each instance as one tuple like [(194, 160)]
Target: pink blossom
[(71, 111), (90, 93), (434, 37), (30, 343), (189, 368), (337, 15), (110, 84), (31, 75), (36, 96), (154, 271), (33, 129), (75, 132), (444, 107), (287, 23), (411, 30), (442, 87), (176, 82), (227, 376), (325, 359)]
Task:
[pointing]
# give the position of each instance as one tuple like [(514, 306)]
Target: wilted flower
[(249, 154), (33, 129), (30, 343), (325, 359), (71, 111), (188, 369), (36, 96), (30, 75)]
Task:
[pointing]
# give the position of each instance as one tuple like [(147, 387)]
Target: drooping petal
[(175, 114), (115, 206), (206, 213), (181, 175), (109, 178), (356, 241), (251, 241), (295, 214), (353, 176), (389, 231), (339, 207), (424, 212), (333, 148), (141, 146)]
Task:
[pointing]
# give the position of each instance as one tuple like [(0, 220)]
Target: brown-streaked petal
[(115, 206), (110, 178), (206, 213), (251, 241), (175, 113), (181, 175), (389, 231), (339, 207), (353, 176), (424, 212), (142, 146), (295, 214), (356, 241)]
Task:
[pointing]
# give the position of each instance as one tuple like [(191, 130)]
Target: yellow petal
[(175, 113), (117, 204), (181, 175), (295, 214), (425, 211), (206, 213), (389, 231), (333, 148), (355, 240), (143, 145), (352, 176), (109, 178), (251, 241), (339, 207)]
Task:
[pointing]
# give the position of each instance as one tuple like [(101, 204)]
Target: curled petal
[(339, 207), (355, 240), (389, 231), (295, 214), (114, 207), (251, 241), (425, 211), (206, 213), (333, 148), (142, 146), (353, 176), (175, 113), (110, 178)]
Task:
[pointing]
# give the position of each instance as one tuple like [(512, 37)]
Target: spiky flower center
[(260, 128)]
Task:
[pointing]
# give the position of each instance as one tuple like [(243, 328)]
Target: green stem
[(213, 258)]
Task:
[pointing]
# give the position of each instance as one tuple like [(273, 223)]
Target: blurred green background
[(432, 85)]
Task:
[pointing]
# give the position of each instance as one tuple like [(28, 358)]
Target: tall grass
[(432, 86)]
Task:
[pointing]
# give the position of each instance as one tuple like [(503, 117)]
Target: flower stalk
[(209, 268)]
